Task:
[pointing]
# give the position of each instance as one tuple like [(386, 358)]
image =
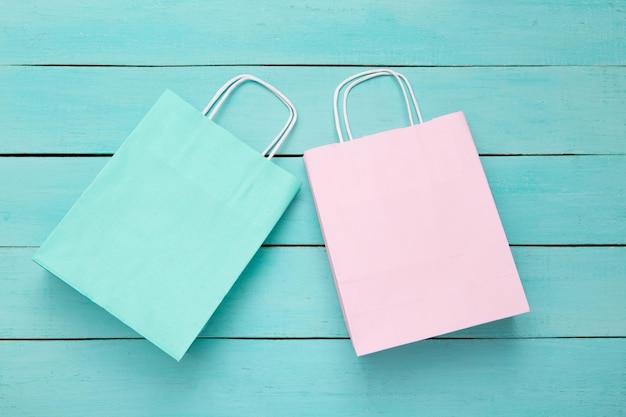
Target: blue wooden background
[(543, 84)]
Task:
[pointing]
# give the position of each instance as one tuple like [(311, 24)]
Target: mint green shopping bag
[(171, 221)]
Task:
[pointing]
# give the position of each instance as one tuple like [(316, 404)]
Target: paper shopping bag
[(171, 221), (413, 236)]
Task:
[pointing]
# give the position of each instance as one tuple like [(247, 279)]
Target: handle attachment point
[(364, 76), (222, 94)]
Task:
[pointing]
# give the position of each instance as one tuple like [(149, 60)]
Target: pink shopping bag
[(413, 236)]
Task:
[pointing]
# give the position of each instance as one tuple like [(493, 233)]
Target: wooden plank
[(543, 110), (541, 200), (289, 292), (553, 377), (403, 32)]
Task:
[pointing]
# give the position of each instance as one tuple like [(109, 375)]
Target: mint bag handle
[(364, 76), (225, 91)]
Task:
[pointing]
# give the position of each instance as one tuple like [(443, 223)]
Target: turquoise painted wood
[(541, 79), (512, 110), (403, 32), (554, 377), (289, 292), (541, 200)]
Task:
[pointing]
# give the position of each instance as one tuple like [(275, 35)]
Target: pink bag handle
[(364, 76), (223, 93)]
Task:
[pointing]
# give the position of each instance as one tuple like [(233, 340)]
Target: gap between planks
[(286, 156), (82, 339), (516, 245), (314, 65)]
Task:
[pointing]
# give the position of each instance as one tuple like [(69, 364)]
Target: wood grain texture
[(402, 32), (533, 77), (555, 377), (543, 110), (289, 292), (541, 200)]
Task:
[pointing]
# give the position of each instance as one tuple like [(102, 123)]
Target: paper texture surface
[(168, 225), (413, 235)]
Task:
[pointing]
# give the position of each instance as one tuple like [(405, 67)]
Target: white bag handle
[(223, 93), (364, 76)]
